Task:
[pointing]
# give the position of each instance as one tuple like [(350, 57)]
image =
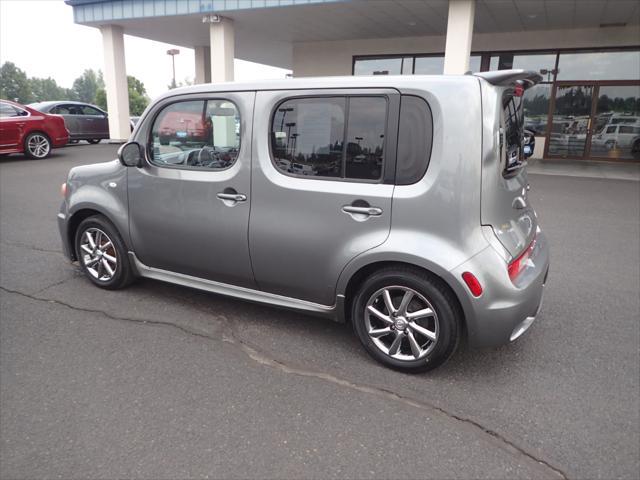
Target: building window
[(308, 137), (544, 64), (196, 134), (407, 65), (599, 66)]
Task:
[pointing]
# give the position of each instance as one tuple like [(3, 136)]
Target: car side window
[(365, 137), (87, 110), (62, 110), (196, 134), (309, 138), (8, 111), (611, 129), (415, 136)]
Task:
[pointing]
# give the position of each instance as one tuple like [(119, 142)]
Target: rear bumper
[(505, 310)]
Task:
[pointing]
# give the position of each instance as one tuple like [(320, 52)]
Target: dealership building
[(587, 51)]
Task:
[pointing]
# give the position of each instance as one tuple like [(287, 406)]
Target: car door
[(321, 186), (11, 126), (71, 115), (95, 122), (189, 203)]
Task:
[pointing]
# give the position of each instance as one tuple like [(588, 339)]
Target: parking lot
[(159, 381)]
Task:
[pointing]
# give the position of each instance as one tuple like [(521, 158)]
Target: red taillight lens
[(63, 190), (516, 266), (518, 90), (473, 283)]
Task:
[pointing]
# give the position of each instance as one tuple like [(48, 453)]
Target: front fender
[(102, 188)]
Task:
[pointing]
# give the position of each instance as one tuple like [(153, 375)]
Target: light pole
[(173, 52)]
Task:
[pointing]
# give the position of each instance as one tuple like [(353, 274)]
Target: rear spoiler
[(509, 78)]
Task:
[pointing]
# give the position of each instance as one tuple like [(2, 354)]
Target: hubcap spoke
[(106, 265), (381, 316), (406, 300), (387, 301), (423, 331), (92, 243), (108, 257), (380, 332), (415, 348), (395, 345), (425, 312), (87, 249)]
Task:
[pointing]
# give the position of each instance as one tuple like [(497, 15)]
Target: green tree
[(43, 89), (14, 84), (138, 98), (87, 85), (101, 99)]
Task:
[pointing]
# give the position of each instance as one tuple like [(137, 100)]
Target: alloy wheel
[(98, 254), (38, 146), (401, 323)]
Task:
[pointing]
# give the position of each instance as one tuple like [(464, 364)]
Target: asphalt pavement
[(160, 381)]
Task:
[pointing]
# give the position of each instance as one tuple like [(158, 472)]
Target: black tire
[(448, 317), (122, 273), (93, 141), (44, 145), (73, 142)]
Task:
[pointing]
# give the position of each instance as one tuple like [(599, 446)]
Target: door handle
[(235, 197), (369, 211)]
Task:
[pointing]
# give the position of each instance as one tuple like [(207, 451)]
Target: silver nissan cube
[(396, 203)]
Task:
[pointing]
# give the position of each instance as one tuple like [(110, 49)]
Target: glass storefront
[(587, 105)]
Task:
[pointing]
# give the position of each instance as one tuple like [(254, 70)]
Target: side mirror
[(130, 154)]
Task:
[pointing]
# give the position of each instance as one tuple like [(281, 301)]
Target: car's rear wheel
[(37, 145), (406, 319), (102, 254), (93, 141)]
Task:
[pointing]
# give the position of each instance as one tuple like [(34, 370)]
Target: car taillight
[(63, 190), (516, 266)]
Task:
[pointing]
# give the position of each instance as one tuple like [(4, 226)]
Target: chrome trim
[(229, 290)]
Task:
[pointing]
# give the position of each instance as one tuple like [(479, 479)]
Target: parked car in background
[(28, 131), (84, 121)]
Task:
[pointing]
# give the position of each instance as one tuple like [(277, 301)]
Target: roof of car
[(62, 102), (502, 78)]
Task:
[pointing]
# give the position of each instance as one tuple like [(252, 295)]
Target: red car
[(25, 130)]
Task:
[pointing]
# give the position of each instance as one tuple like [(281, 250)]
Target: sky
[(39, 36)]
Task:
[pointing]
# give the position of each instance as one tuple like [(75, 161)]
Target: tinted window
[(414, 140), (196, 134), (512, 116), (365, 137), (7, 110), (307, 136), (627, 129), (611, 129), (599, 66), (87, 110)]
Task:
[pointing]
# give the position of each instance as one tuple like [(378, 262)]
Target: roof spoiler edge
[(505, 78)]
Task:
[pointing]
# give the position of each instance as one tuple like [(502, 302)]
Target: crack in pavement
[(31, 247), (263, 359)]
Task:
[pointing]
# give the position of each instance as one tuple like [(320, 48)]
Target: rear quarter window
[(415, 137)]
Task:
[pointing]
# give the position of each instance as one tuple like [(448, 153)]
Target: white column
[(222, 42), (203, 64), (115, 80), (459, 33)]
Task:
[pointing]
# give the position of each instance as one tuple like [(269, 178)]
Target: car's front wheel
[(406, 319), (93, 141), (37, 145), (102, 254)]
